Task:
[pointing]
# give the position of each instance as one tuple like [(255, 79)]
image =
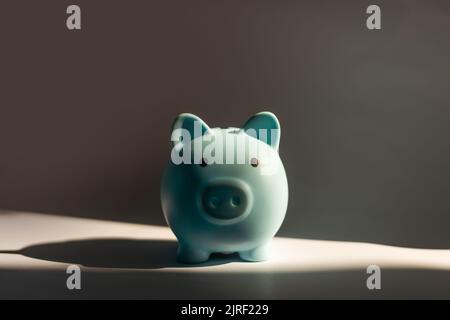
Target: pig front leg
[(190, 254), (260, 253)]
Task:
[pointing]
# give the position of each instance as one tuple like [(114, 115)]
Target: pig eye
[(204, 163), (254, 162)]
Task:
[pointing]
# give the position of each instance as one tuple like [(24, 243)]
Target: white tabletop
[(123, 260)]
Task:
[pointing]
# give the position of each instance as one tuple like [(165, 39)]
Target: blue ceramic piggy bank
[(224, 190)]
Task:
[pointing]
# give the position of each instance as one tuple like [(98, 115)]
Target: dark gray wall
[(85, 116)]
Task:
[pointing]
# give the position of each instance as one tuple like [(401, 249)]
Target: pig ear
[(188, 123), (266, 127)]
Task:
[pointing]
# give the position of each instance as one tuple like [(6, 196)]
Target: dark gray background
[(85, 116)]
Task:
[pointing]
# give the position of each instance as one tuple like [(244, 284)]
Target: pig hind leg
[(260, 253), (189, 254)]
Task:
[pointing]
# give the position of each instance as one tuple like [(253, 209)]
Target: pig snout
[(226, 199)]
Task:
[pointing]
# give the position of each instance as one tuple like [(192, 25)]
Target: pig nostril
[(235, 201), (214, 202)]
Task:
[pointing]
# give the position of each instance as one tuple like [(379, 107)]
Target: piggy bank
[(225, 189)]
